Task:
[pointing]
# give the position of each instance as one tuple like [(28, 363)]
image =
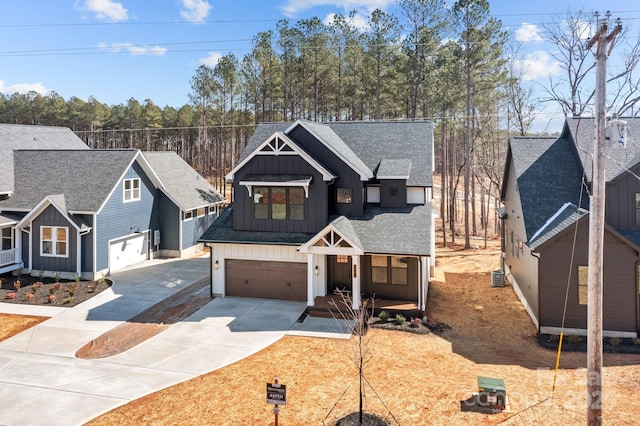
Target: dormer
[(393, 175)]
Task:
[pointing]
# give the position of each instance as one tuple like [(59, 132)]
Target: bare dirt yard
[(412, 379)]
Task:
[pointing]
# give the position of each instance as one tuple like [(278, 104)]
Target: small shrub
[(400, 319), (11, 295), (17, 284), (573, 339), (415, 322), (52, 298), (41, 274), (36, 286), (635, 341), (614, 341), (100, 280), (30, 296), (554, 338), (57, 275), (383, 316), (54, 288), (67, 300), (77, 278), (72, 289)]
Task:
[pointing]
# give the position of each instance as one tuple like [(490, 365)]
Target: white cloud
[(134, 49), (358, 21), (528, 32), (106, 10), (211, 60), (538, 64), (292, 7), (195, 10), (23, 88)]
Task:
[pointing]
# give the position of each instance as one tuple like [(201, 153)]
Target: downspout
[(95, 246), (210, 271), (78, 253)]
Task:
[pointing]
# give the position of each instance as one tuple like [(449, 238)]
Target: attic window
[(131, 190)]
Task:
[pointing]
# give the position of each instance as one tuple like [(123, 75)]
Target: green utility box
[(492, 393)]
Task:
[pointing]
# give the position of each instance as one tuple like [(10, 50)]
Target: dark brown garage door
[(266, 280)]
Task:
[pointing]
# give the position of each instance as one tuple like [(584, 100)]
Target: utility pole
[(596, 224)]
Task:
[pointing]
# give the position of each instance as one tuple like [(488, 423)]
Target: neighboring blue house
[(69, 209)]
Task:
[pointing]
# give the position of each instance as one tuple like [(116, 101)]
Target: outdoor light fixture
[(316, 271), (216, 265)]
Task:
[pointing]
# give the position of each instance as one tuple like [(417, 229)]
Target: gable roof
[(568, 215), (85, 177), (180, 182), (14, 137), (394, 169), (548, 175), (57, 201), (369, 141), (328, 138), (618, 157), (293, 148)]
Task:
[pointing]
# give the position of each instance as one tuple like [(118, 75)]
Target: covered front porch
[(10, 253)]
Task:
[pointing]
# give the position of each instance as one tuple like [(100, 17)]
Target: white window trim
[(187, 215), (130, 191), (211, 210), (54, 241)]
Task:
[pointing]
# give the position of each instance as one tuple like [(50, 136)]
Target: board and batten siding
[(118, 219), (619, 282), (275, 253), (390, 201), (315, 205), (86, 252), (620, 207), (346, 176), (52, 217), (391, 291)]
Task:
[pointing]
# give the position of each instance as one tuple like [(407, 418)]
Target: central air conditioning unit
[(497, 278)]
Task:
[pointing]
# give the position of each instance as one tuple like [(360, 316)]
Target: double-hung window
[(389, 270), (131, 189), (583, 274), (54, 241)]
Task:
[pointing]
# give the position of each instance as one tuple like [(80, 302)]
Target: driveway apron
[(43, 383)]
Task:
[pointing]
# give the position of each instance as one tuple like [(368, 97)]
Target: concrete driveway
[(44, 384)]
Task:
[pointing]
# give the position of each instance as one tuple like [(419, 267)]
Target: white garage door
[(128, 251)]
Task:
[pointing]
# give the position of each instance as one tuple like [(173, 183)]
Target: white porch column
[(355, 283), (310, 278), (424, 282)]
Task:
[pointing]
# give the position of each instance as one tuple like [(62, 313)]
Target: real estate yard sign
[(276, 394)]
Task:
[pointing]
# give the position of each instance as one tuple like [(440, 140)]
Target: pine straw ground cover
[(10, 325), (421, 379)]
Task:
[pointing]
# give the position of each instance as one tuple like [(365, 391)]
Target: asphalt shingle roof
[(548, 176), (371, 142), (568, 215), (221, 231), (85, 177), (619, 158), (183, 184), (394, 169), (14, 136), (385, 231)]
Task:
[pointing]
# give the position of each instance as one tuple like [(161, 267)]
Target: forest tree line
[(453, 65)]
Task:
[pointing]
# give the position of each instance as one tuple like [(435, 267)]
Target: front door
[(339, 273)]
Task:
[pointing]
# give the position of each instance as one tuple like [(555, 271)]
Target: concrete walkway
[(43, 383)]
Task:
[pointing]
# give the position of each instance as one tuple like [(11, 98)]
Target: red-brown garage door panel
[(266, 279)]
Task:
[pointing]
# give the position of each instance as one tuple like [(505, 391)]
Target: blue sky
[(118, 49)]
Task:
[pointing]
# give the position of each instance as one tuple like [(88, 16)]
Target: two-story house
[(546, 190), (319, 208), (71, 210)]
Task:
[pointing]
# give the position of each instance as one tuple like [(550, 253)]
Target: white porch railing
[(7, 257)]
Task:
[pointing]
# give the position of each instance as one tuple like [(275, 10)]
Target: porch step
[(331, 312)]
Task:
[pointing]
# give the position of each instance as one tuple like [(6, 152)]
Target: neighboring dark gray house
[(325, 207), (69, 209), (546, 207)]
